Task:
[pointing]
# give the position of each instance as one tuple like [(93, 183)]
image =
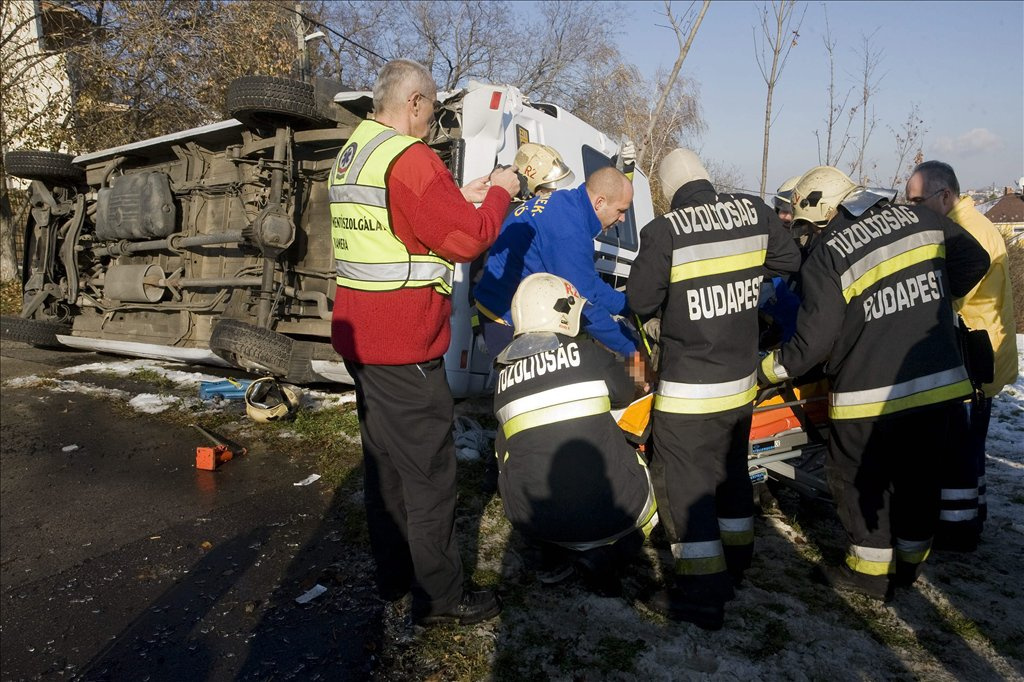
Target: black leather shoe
[(474, 608), (845, 578), (705, 614)]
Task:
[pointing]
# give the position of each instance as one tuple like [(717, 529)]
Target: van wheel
[(54, 167), (264, 100), (251, 348), (39, 333)]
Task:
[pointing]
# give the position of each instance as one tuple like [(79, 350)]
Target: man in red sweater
[(399, 223)]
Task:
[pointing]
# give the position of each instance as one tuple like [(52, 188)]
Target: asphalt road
[(119, 560)]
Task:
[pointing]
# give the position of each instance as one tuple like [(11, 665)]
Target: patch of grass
[(152, 377), (331, 435), (956, 622), (1017, 499), (10, 297), (617, 654), (774, 637)]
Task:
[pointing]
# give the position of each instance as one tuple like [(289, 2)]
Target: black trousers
[(699, 471), (980, 416), (405, 419), (886, 476)]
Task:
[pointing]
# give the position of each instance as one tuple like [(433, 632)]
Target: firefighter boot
[(843, 577), (702, 609)]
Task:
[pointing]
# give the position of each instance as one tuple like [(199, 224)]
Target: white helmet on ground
[(266, 400), (679, 167), (542, 166), (818, 194), (547, 303)]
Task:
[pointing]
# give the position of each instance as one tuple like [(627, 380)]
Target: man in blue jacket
[(555, 234)]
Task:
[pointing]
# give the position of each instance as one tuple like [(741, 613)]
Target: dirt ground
[(119, 560)]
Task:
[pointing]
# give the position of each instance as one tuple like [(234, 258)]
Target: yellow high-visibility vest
[(367, 254)]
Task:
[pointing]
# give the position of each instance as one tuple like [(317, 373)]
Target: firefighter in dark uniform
[(567, 476), (701, 266), (877, 308)]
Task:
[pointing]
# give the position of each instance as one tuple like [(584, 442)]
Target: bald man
[(555, 234)]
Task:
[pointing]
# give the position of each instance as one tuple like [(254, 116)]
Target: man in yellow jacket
[(988, 306)]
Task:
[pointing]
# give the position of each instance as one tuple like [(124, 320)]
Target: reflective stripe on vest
[(368, 256), (890, 259), (874, 402), (682, 398), (583, 399), (717, 258)]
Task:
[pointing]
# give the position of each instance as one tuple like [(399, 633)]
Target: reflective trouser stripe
[(646, 521), (718, 258), (927, 390), (871, 560), (736, 531), (912, 551), (982, 488), (680, 398), (958, 504), (698, 558)]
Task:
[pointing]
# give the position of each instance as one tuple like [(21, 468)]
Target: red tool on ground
[(209, 458)]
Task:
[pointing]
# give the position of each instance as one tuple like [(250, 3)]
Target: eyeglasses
[(434, 102), (915, 201)]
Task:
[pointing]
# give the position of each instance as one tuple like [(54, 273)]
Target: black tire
[(252, 348), (39, 333), (54, 167), (265, 100)]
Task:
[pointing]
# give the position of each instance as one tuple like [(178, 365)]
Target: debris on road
[(69, 448), (209, 458), (227, 389), (471, 439), (312, 478), (310, 594)]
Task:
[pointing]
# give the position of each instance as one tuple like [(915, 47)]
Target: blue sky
[(961, 63)]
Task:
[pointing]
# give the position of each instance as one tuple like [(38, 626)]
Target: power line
[(318, 24)]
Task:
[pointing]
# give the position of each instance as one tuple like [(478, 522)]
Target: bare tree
[(780, 29), (679, 27), (907, 145), (870, 59), (835, 141)]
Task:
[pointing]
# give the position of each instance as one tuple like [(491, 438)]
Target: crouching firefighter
[(567, 476), (877, 307)]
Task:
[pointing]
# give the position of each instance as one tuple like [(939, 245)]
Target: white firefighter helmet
[(266, 400), (818, 193), (542, 166), (679, 167), (547, 303), (784, 193)]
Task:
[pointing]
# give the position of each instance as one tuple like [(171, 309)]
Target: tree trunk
[(8, 251)]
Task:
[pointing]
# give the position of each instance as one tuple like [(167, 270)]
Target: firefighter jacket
[(989, 305), (701, 265), (877, 307), (368, 256), (567, 474), (554, 234)]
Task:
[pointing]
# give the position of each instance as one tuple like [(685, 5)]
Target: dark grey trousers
[(405, 418)]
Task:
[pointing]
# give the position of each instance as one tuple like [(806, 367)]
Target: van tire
[(263, 100), (54, 167), (39, 333), (252, 348)]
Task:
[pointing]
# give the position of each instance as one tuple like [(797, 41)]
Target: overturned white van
[(212, 245)]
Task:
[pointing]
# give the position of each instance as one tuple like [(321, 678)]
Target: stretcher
[(788, 438), (787, 435)]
